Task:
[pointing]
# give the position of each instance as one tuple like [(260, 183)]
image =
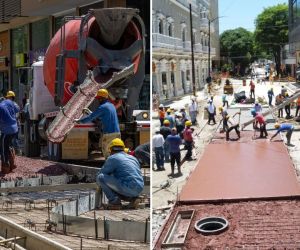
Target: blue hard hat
[(253, 112)]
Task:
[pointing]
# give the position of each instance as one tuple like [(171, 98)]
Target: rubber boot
[(227, 136), (179, 170), (11, 159), (5, 168)]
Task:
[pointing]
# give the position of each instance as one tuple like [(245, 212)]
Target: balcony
[(198, 48), (187, 46), (203, 24), (168, 42), (186, 3), (212, 51), (205, 49)]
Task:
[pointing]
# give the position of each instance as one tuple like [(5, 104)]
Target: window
[(183, 35), (172, 77), (161, 27), (170, 29), (188, 75)]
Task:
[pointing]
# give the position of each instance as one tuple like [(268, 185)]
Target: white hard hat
[(161, 105)]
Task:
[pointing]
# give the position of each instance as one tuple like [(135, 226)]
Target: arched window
[(161, 26), (183, 35), (170, 29)]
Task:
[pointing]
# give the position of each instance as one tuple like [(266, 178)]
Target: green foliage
[(271, 31), (238, 45)]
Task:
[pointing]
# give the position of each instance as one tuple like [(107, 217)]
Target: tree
[(271, 31), (237, 46)]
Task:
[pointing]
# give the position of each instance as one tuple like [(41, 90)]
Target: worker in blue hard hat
[(9, 130), (107, 114), (120, 177)]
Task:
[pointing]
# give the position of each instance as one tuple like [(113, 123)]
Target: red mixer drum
[(130, 35)]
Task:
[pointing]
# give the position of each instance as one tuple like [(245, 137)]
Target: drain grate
[(211, 225)]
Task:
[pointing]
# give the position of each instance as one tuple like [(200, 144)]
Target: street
[(166, 189)]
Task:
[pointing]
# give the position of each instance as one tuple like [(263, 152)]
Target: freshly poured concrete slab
[(234, 171)]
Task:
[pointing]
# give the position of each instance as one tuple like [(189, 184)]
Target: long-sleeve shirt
[(125, 168), (284, 127), (8, 119), (106, 112), (174, 143)]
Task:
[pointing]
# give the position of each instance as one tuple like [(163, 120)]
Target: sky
[(242, 13)]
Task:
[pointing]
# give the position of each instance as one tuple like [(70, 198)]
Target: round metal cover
[(211, 225)]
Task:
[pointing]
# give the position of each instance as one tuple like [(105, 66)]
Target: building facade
[(294, 34), (171, 44)]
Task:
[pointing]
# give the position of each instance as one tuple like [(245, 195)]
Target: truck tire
[(54, 151), (31, 149)]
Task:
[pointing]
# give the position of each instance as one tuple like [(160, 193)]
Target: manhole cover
[(211, 225)]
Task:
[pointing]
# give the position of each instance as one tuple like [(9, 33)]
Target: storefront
[(19, 50), (4, 62)]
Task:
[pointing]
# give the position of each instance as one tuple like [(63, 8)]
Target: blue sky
[(242, 13)]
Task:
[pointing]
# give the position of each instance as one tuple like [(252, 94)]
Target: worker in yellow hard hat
[(188, 140), (106, 113), (284, 127), (120, 177), (9, 132)]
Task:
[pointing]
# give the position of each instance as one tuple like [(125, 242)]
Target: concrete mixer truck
[(102, 49)]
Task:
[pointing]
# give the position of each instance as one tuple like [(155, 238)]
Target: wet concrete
[(234, 171)]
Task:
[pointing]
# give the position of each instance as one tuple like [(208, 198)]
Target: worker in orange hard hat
[(9, 131), (120, 177), (106, 113)]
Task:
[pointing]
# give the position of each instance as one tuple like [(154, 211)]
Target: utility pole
[(192, 49), (209, 22)]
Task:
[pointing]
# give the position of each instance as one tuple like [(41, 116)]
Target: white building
[(171, 44)]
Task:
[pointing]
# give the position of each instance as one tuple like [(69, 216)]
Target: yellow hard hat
[(117, 143), (166, 122), (276, 125), (126, 150), (169, 110), (10, 94), (188, 123), (220, 108), (102, 93)]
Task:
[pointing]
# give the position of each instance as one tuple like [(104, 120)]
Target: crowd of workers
[(120, 177), (175, 130)]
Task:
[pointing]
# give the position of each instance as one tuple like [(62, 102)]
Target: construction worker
[(257, 107), (283, 90), (179, 122), (107, 114), (224, 114), (165, 130), (279, 99), (174, 141), (224, 100), (142, 153), (287, 107), (188, 140), (233, 124), (259, 119), (211, 109), (120, 177), (170, 118), (252, 89), (9, 130), (284, 127), (270, 96), (298, 106), (161, 114), (158, 146), (193, 110)]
